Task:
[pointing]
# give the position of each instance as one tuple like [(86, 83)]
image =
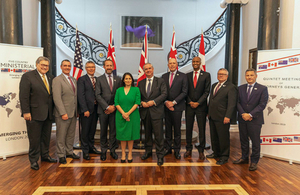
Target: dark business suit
[(153, 116), (87, 102), (36, 100), (106, 97), (177, 92), (255, 105), (221, 105), (198, 94)]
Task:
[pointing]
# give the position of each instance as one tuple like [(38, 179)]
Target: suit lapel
[(67, 82), (221, 88), (88, 80), (254, 89), (143, 87), (154, 85), (175, 78), (38, 77)]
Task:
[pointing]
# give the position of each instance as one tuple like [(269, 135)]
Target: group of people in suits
[(120, 106)]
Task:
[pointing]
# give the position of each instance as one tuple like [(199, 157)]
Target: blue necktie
[(249, 92)]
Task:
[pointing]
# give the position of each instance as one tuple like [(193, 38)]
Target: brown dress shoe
[(253, 167), (188, 153), (201, 156), (241, 161)]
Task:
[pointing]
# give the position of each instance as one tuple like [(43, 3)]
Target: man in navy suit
[(106, 86), (174, 105), (87, 102), (196, 104), (153, 94), (221, 109), (252, 100)]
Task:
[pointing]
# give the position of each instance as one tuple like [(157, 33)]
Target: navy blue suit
[(86, 102), (255, 105), (177, 92)]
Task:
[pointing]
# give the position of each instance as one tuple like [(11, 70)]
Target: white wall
[(93, 18)]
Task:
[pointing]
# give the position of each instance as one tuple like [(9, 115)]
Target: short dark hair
[(42, 58), (65, 60), (123, 78), (251, 69), (107, 60)]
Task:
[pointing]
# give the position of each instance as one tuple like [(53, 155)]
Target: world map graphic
[(283, 105), (9, 102)]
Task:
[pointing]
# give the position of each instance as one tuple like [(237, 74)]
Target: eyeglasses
[(44, 65), (90, 67), (220, 74)]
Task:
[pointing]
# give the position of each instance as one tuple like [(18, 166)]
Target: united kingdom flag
[(78, 66), (144, 58), (111, 51)]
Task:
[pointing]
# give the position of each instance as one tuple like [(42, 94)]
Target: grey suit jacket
[(158, 94), (64, 98), (104, 96)]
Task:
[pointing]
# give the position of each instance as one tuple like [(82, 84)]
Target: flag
[(144, 58), (173, 51), (202, 53), (78, 66), (111, 51)]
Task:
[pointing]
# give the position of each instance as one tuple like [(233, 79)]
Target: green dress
[(128, 130)]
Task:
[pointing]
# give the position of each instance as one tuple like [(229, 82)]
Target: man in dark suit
[(153, 94), (87, 102), (252, 100), (65, 111), (106, 86), (196, 104), (37, 109), (221, 108), (174, 105)]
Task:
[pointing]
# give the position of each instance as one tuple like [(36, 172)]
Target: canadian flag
[(173, 51), (272, 64), (202, 53)]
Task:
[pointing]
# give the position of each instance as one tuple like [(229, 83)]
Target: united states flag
[(202, 53), (173, 51), (78, 66), (144, 58), (111, 51)]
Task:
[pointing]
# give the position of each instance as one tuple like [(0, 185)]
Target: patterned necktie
[(149, 87), (249, 92), (94, 83), (195, 79), (110, 83), (171, 79), (73, 87), (217, 88), (46, 84)]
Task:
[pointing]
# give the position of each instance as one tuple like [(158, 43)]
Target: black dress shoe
[(166, 152), (86, 156), (62, 160), (94, 151), (74, 156), (160, 161), (177, 155), (49, 159), (34, 166), (221, 162), (129, 161), (103, 156), (213, 155), (201, 156), (188, 153), (241, 161), (253, 167), (114, 155), (123, 161), (146, 155)]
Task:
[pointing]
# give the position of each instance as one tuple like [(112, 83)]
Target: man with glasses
[(87, 102), (37, 109), (221, 108)]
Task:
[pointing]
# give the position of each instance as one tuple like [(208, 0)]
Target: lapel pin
[(201, 73), (177, 74), (255, 88), (224, 85)]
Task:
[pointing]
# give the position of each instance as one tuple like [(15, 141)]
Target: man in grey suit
[(221, 109), (65, 111), (153, 94), (106, 86), (37, 109)]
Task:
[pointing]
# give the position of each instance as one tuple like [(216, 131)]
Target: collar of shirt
[(68, 78), (173, 75), (42, 77), (198, 73), (220, 85), (251, 85)]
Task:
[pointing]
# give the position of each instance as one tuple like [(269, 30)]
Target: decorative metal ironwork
[(91, 49), (189, 49)]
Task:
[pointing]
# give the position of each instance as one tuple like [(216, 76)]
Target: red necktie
[(195, 79), (171, 79), (110, 83), (217, 88), (73, 87)]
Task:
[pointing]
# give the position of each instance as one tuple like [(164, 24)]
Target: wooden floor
[(184, 177)]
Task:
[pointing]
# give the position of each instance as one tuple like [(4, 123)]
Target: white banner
[(279, 71), (14, 61)]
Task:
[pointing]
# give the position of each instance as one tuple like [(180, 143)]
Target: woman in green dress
[(127, 99)]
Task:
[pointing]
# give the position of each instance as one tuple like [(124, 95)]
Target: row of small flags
[(78, 65), (287, 61), (15, 70), (278, 140)]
